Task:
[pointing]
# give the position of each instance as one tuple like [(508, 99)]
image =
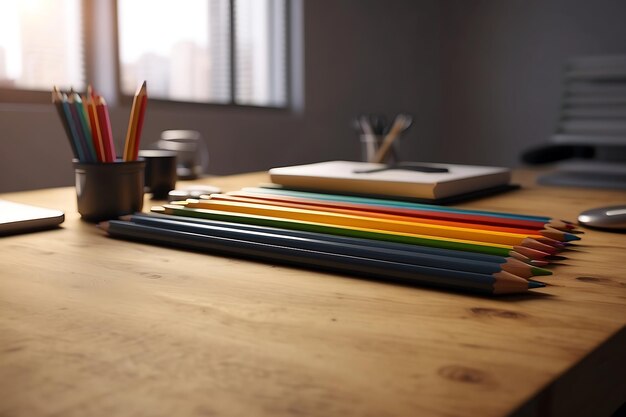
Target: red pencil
[(478, 219), (105, 129), (375, 214)]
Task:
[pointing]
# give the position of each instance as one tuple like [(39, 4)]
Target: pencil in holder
[(370, 143), (107, 190)]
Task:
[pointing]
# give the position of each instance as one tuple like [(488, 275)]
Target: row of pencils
[(444, 247), (87, 125)]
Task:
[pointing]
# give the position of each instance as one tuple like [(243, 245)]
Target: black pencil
[(437, 258), (158, 212), (498, 283)]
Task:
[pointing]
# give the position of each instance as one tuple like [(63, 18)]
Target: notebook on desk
[(421, 182), (20, 218)]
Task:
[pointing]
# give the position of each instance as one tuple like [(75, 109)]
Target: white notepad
[(352, 177), (18, 218)]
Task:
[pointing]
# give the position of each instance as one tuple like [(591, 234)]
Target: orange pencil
[(135, 115), (96, 132), (142, 112)]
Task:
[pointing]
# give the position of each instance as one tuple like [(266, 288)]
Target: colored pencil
[(337, 219), (134, 128), (431, 213), (80, 121), (96, 132), (445, 243), (60, 103), (105, 128), (337, 238), (142, 112), (301, 205), (383, 203), (322, 244), (497, 283)]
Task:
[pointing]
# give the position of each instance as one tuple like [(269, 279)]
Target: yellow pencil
[(317, 216), (131, 133)]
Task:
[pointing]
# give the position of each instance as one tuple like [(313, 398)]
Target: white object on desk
[(18, 218), (345, 176)]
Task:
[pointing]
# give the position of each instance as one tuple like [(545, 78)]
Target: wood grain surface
[(92, 326)]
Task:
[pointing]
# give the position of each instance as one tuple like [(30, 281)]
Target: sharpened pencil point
[(568, 237), (103, 226), (535, 284), (540, 271)]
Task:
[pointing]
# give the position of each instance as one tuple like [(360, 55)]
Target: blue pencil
[(78, 113), (57, 100), (79, 130), (75, 137), (498, 283), (443, 258)]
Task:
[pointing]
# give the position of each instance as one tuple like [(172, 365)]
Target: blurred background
[(269, 83)]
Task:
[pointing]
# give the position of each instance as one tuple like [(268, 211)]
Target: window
[(219, 51), (206, 51), (41, 44)]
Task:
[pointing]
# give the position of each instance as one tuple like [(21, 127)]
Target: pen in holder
[(369, 146), (379, 140), (107, 190)]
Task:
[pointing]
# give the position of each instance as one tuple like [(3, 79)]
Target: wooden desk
[(91, 326)]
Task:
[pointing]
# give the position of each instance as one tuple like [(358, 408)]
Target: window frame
[(128, 98), (32, 96), (117, 96)]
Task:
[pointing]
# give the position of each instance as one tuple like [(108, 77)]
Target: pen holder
[(370, 144), (107, 190)]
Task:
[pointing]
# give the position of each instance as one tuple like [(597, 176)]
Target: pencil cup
[(160, 173), (369, 146), (108, 190)]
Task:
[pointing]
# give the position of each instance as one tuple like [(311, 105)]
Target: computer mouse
[(609, 218)]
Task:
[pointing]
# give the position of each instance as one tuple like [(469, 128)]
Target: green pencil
[(499, 250)]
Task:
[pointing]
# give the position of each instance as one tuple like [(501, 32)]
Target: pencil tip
[(568, 237), (535, 284), (104, 226), (540, 271)]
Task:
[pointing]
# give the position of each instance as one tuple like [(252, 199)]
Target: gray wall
[(481, 77), (502, 66)]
